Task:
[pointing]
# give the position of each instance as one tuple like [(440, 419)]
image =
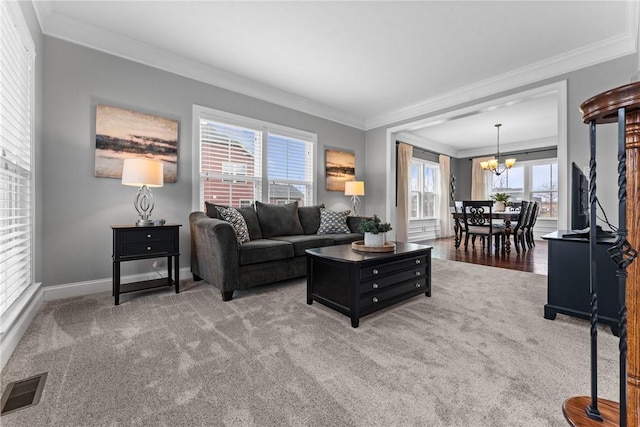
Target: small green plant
[(501, 197), (374, 225)]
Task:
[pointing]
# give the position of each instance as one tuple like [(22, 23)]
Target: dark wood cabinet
[(132, 243), (357, 284), (568, 280)]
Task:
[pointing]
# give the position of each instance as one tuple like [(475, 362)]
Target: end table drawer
[(152, 247), (147, 234)]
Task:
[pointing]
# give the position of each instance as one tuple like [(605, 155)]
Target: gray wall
[(79, 208), (34, 28), (581, 85)]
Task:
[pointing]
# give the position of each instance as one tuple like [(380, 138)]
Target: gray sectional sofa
[(279, 236)]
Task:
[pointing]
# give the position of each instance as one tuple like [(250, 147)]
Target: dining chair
[(463, 227), (524, 206), (477, 219), (529, 226)]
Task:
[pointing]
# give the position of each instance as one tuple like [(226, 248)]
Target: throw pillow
[(212, 212), (278, 220), (333, 222), (233, 217), (310, 218), (251, 218)]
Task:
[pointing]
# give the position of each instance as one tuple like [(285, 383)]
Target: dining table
[(507, 217)]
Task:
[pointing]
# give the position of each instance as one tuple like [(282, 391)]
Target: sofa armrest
[(214, 251)]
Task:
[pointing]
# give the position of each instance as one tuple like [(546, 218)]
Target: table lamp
[(143, 173), (354, 189)]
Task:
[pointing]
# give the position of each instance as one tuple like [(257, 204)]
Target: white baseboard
[(13, 333), (70, 290)]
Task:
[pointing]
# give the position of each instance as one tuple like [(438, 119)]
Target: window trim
[(207, 113)]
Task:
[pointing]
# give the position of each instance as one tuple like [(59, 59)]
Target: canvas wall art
[(340, 166), (124, 133)]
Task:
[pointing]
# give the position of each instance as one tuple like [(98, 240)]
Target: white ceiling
[(361, 63)]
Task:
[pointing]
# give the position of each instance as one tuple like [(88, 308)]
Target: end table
[(132, 243)]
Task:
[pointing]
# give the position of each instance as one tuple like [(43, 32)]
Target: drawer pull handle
[(418, 285), (148, 236), (148, 248), (375, 286), (374, 299), (417, 273), (417, 261), (375, 271)]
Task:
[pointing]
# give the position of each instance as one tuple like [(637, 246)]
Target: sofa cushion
[(247, 212), (333, 222), (278, 220), (212, 212), (251, 218), (233, 217), (310, 218), (303, 242), (264, 250)]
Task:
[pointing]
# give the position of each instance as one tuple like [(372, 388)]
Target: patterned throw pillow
[(333, 222), (233, 217)]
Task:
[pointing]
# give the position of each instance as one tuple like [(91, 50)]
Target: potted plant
[(374, 231), (502, 200)]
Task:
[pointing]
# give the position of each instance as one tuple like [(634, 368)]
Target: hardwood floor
[(534, 260)]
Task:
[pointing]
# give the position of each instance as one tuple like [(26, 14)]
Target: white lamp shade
[(139, 171), (354, 188)]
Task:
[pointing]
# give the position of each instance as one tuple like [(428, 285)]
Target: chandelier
[(494, 164)]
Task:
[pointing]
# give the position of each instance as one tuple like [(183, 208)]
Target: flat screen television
[(579, 199)]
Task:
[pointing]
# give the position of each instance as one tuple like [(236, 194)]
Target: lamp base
[(144, 223)]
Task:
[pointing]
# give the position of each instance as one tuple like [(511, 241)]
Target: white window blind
[(290, 170), (16, 210), (230, 164), (242, 160)]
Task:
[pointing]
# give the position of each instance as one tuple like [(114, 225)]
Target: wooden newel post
[(620, 105)]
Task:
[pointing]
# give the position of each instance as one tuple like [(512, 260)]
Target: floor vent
[(22, 394)]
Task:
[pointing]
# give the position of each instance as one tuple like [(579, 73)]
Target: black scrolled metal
[(477, 216), (592, 410)]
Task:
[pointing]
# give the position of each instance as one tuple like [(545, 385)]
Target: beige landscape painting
[(121, 134), (340, 167)]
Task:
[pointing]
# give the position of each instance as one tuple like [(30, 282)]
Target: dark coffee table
[(359, 283)]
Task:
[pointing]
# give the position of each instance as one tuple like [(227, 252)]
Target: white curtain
[(479, 181), (444, 211), (405, 153)]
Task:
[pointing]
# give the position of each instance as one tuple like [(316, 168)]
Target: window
[(242, 160), (531, 180), (424, 189), (16, 148)]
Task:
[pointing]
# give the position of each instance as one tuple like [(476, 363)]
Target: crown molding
[(506, 149), (593, 54), (56, 25)]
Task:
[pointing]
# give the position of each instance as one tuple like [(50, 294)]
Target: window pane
[(429, 179), (415, 203), (511, 180), (290, 170), (429, 205), (544, 177), (548, 203), (230, 163), (415, 176)]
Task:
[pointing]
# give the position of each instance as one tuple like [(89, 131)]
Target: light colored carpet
[(478, 353)]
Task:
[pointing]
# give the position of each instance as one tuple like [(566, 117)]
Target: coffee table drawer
[(383, 282), (379, 297), (390, 267)]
